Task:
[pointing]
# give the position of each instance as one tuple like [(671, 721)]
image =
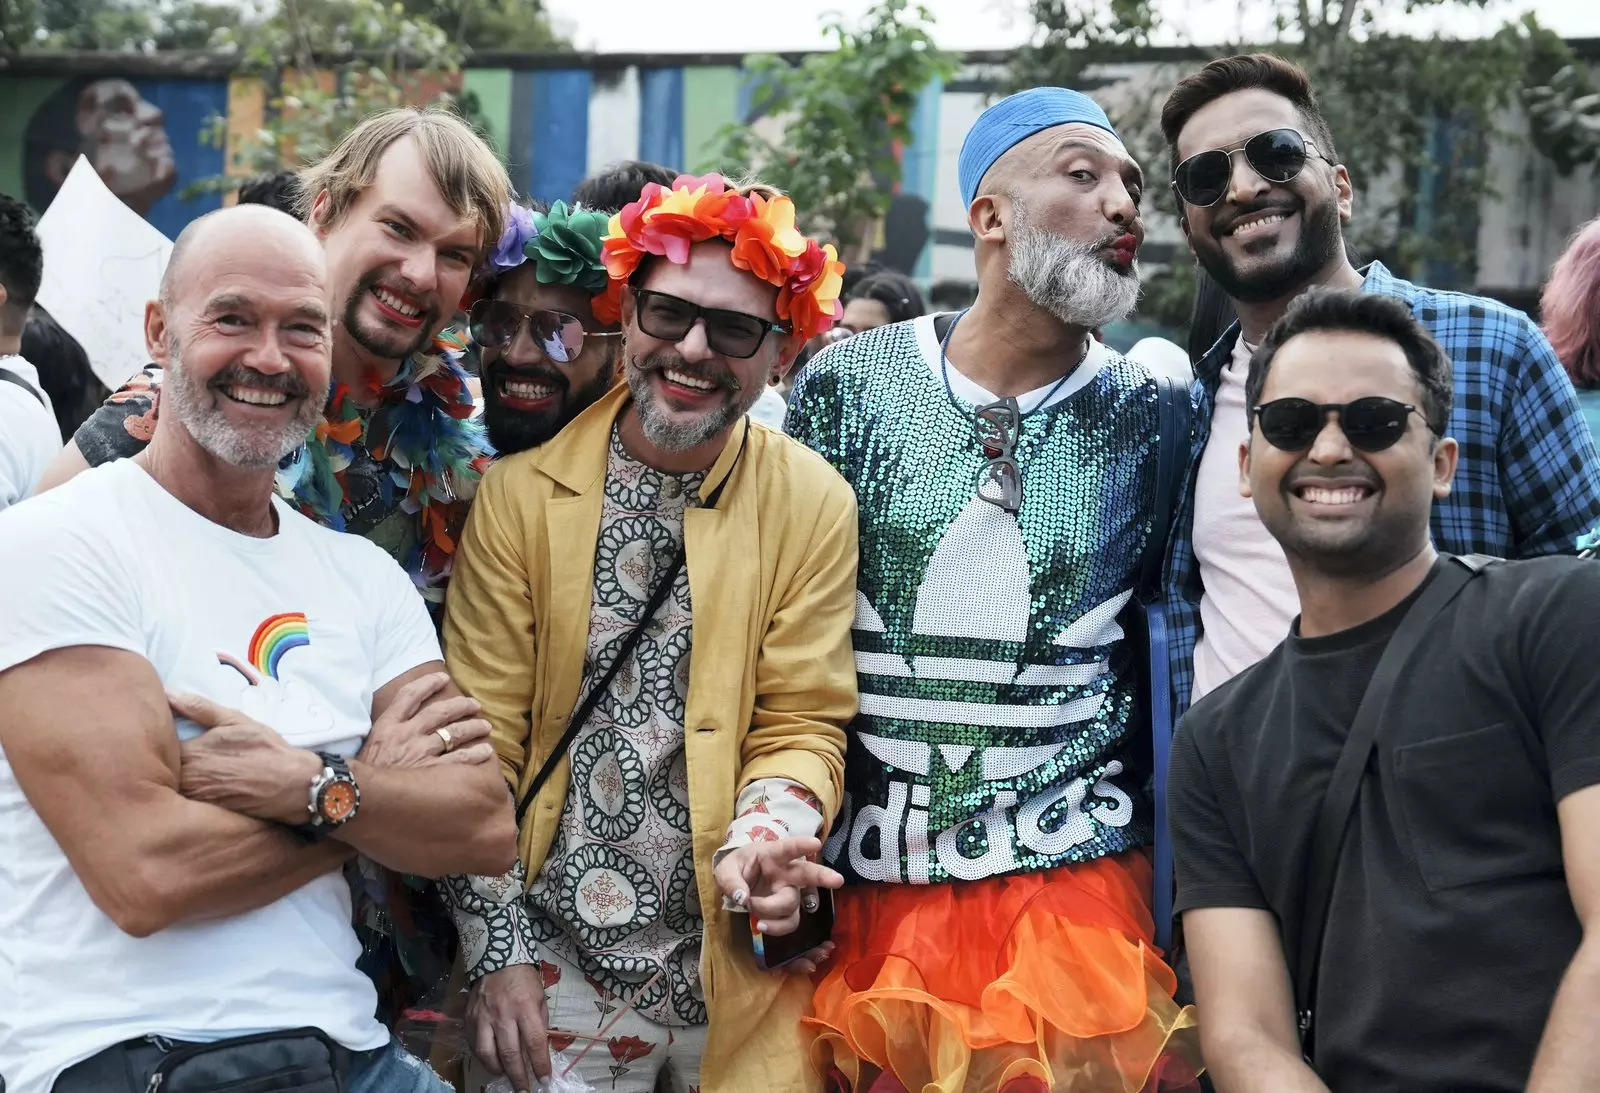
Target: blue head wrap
[(1014, 119)]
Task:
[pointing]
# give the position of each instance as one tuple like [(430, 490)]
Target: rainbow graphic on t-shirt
[(273, 638)]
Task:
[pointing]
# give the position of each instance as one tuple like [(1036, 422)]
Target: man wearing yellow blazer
[(654, 609)]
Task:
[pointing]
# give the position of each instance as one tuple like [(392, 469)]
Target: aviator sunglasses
[(1370, 424), (494, 325), (1278, 155)]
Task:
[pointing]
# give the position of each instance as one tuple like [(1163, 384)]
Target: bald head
[(239, 230), (242, 329)]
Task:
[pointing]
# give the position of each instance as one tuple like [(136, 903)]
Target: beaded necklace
[(421, 434)]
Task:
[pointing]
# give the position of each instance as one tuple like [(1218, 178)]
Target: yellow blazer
[(772, 578)]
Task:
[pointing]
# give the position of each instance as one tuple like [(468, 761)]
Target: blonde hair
[(465, 169)]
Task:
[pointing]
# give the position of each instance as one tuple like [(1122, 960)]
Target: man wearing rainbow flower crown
[(654, 610), (406, 207), (996, 933)]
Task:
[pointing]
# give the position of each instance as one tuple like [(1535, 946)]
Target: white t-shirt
[(769, 408), (944, 370), (298, 630), (29, 436), (1250, 598)]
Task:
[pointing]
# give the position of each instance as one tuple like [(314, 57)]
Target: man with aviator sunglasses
[(1263, 201), (545, 357), (1433, 905)]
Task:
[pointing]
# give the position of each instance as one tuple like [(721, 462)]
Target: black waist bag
[(301, 1060)]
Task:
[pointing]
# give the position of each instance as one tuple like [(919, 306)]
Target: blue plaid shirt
[(1528, 482)]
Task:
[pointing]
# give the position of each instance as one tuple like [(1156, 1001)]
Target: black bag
[(301, 1060), (1333, 818), (293, 1061)]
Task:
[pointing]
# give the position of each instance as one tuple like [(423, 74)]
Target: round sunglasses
[(1370, 424), (494, 325), (1278, 155)]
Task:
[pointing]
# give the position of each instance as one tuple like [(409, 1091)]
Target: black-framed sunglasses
[(1370, 424), (732, 333), (1000, 480), (1278, 155), (494, 325)]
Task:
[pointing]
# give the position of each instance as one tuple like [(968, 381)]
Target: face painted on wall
[(125, 137)]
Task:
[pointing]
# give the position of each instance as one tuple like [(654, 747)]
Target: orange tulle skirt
[(1044, 981)]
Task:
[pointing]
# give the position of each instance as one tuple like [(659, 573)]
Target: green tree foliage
[(156, 25), (841, 113), (1411, 116), (327, 65)]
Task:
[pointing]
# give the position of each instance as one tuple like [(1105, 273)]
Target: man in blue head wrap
[(995, 824)]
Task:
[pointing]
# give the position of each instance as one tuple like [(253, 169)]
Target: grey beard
[(210, 429), (1067, 278), (676, 436)]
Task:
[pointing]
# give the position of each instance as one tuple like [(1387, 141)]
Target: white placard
[(102, 263)]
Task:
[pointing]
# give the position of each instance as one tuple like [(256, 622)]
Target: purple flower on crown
[(520, 228)]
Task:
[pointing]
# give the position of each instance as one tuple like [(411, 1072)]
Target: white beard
[(1067, 278), (196, 408)]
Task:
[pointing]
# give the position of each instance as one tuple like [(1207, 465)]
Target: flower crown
[(563, 244), (666, 222)]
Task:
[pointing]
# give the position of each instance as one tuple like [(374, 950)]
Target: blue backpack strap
[(1172, 463)]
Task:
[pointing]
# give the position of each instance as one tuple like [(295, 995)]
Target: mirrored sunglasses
[(494, 325)]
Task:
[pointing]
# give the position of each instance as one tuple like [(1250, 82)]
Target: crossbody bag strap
[(597, 690), (1172, 462), (1338, 804), (8, 376)]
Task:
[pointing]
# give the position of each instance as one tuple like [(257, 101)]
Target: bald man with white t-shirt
[(212, 703)]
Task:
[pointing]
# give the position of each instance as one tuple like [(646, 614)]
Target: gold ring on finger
[(445, 738)]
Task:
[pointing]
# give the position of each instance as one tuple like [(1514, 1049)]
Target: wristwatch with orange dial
[(334, 798)]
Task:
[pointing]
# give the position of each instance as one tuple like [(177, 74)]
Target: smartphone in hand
[(815, 928)]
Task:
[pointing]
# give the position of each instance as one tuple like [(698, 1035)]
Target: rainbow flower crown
[(667, 222)]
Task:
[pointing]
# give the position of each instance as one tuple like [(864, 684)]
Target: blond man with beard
[(994, 811), (406, 207)]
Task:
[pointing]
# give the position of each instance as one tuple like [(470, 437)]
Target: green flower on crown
[(565, 248)]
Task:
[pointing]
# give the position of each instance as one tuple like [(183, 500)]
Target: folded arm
[(437, 818), (105, 781), (425, 809)]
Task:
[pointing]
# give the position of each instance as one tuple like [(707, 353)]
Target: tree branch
[(1346, 17)]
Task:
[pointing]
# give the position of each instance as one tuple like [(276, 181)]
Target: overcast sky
[(659, 26)]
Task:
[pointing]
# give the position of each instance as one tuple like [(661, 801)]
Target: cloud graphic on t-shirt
[(295, 709)]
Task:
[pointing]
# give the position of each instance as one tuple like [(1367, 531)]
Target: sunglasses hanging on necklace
[(999, 427)]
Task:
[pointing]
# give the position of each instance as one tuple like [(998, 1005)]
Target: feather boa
[(422, 433)]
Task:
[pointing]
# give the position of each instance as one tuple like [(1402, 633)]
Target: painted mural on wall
[(555, 125), (142, 136)]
